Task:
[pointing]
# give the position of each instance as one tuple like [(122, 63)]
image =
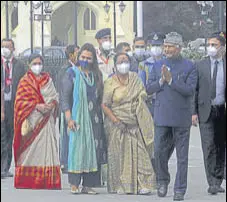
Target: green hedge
[(192, 54)]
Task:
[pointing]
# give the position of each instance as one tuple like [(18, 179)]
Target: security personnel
[(154, 48), (105, 52)]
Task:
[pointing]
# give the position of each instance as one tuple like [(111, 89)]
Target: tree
[(183, 17)]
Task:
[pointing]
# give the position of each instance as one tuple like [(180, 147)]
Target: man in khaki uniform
[(105, 55), (104, 52)]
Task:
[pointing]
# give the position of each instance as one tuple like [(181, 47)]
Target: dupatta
[(82, 152)]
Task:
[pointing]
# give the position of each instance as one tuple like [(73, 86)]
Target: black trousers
[(7, 134), (4, 153), (64, 146), (165, 140), (213, 138), (89, 179)]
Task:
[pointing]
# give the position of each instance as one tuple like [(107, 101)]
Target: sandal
[(75, 189), (144, 191), (88, 190)]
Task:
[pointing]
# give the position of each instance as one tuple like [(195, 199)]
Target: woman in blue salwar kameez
[(82, 95)]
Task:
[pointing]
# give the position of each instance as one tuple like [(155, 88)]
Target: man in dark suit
[(71, 54), (173, 79), (209, 110), (11, 72)]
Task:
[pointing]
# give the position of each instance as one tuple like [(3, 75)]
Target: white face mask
[(106, 45), (130, 53), (36, 69), (123, 68), (156, 51), (5, 52), (212, 51), (139, 51)]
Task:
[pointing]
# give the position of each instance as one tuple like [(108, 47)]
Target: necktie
[(213, 94), (7, 76)]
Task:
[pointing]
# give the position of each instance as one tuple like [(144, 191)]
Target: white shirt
[(7, 96), (220, 83), (105, 64)]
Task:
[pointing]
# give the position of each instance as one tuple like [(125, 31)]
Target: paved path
[(197, 185)]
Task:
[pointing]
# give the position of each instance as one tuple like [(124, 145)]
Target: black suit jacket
[(60, 84), (202, 98), (17, 74)]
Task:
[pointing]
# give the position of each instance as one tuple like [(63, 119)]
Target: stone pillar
[(139, 18)]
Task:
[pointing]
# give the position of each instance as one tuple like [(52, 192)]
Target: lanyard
[(102, 58), (8, 70)]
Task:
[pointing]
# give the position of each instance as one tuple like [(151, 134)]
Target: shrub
[(192, 54)]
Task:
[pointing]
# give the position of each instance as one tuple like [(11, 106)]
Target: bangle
[(117, 122)]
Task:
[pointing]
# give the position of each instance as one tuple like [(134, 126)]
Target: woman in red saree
[(35, 144)]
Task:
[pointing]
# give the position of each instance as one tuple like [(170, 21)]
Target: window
[(89, 20), (14, 18)]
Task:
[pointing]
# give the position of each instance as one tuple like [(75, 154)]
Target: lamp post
[(31, 24), (42, 17), (107, 8), (45, 7), (7, 19)]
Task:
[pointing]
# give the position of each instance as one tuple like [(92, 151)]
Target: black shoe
[(178, 197), (9, 174), (162, 190), (213, 190), (221, 190), (64, 170)]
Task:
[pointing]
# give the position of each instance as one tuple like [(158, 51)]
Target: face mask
[(5, 52), (130, 53), (139, 51), (36, 69), (123, 68), (106, 45), (156, 51), (212, 51), (83, 63)]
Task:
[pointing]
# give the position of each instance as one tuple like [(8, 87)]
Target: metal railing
[(52, 65)]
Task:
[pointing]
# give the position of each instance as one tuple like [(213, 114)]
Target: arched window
[(89, 20), (14, 18)]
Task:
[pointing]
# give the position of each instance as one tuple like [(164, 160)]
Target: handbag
[(26, 127)]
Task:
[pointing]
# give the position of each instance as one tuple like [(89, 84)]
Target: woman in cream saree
[(35, 144), (129, 129)]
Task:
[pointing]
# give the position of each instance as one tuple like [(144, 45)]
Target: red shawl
[(27, 97)]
